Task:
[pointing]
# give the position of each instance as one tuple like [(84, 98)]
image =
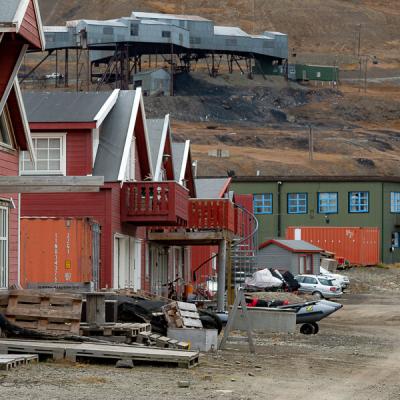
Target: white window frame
[(4, 243), (63, 161), (10, 132)]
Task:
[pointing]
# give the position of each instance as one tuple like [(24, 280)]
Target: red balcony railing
[(154, 203), (205, 214)]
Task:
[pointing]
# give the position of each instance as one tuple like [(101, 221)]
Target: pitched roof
[(113, 137), (211, 188), (296, 246), (155, 129), (8, 10), (178, 154), (13, 16), (57, 107)]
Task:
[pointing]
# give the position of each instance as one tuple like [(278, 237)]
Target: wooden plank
[(40, 184), (103, 351), (186, 306)]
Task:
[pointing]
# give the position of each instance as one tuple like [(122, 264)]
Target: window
[(262, 203), (166, 34), (50, 156), (134, 29), (297, 203), (310, 280), (395, 202), (5, 129), (358, 202), (327, 203), (3, 246)]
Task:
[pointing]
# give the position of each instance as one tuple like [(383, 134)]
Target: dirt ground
[(355, 356)]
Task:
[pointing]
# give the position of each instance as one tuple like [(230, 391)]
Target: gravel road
[(355, 356)]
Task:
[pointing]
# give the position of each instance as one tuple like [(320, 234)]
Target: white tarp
[(263, 279)]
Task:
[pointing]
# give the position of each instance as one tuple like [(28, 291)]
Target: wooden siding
[(10, 50), (9, 167), (79, 153), (29, 28)]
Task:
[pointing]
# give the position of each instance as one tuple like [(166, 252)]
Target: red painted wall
[(29, 27), (9, 167), (79, 150), (10, 50)]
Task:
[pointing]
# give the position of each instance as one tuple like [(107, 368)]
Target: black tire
[(317, 295), (215, 320), (307, 329), (316, 328)]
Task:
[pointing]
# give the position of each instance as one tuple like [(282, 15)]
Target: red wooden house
[(101, 134), (20, 28)]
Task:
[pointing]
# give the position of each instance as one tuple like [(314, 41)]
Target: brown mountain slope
[(314, 26)]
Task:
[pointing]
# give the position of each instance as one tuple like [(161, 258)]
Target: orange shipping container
[(59, 251), (358, 245)]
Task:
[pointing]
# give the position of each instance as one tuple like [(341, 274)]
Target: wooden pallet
[(8, 361), (130, 330), (154, 339), (182, 315), (49, 312), (73, 351)]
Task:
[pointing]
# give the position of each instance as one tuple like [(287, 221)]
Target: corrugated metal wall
[(358, 245)]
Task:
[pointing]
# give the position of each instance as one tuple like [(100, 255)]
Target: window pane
[(262, 203), (54, 165), (54, 154), (358, 202), (42, 154), (54, 143), (27, 166), (42, 143), (41, 165)]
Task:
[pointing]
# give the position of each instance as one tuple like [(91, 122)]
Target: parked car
[(343, 280), (54, 75), (319, 286)]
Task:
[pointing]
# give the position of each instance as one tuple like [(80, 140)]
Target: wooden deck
[(184, 238)]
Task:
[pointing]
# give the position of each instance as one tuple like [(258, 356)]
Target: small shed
[(296, 256), (153, 82), (305, 72)]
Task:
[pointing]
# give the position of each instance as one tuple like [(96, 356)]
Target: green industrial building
[(281, 202)]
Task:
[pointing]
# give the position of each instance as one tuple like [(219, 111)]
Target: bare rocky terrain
[(355, 356)]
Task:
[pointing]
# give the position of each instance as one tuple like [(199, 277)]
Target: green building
[(280, 202), (304, 72)]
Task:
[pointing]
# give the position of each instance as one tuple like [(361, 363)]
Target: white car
[(319, 286), (342, 280)]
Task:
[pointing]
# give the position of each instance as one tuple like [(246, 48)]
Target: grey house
[(152, 82), (296, 256)]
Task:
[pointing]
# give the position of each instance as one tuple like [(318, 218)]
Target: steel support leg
[(221, 275)]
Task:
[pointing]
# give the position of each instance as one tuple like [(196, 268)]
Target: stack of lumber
[(3, 302), (182, 315), (48, 312)]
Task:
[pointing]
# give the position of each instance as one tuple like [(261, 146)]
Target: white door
[(121, 262), (135, 261), (3, 247), (302, 266)]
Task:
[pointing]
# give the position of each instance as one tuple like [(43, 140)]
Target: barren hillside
[(314, 26)]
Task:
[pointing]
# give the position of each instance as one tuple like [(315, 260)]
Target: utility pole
[(311, 144), (359, 40)]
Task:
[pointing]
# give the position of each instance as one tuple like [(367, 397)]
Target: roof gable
[(23, 17), (295, 246), (125, 120), (212, 188)]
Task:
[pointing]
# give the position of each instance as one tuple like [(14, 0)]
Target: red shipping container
[(59, 251), (358, 245)]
